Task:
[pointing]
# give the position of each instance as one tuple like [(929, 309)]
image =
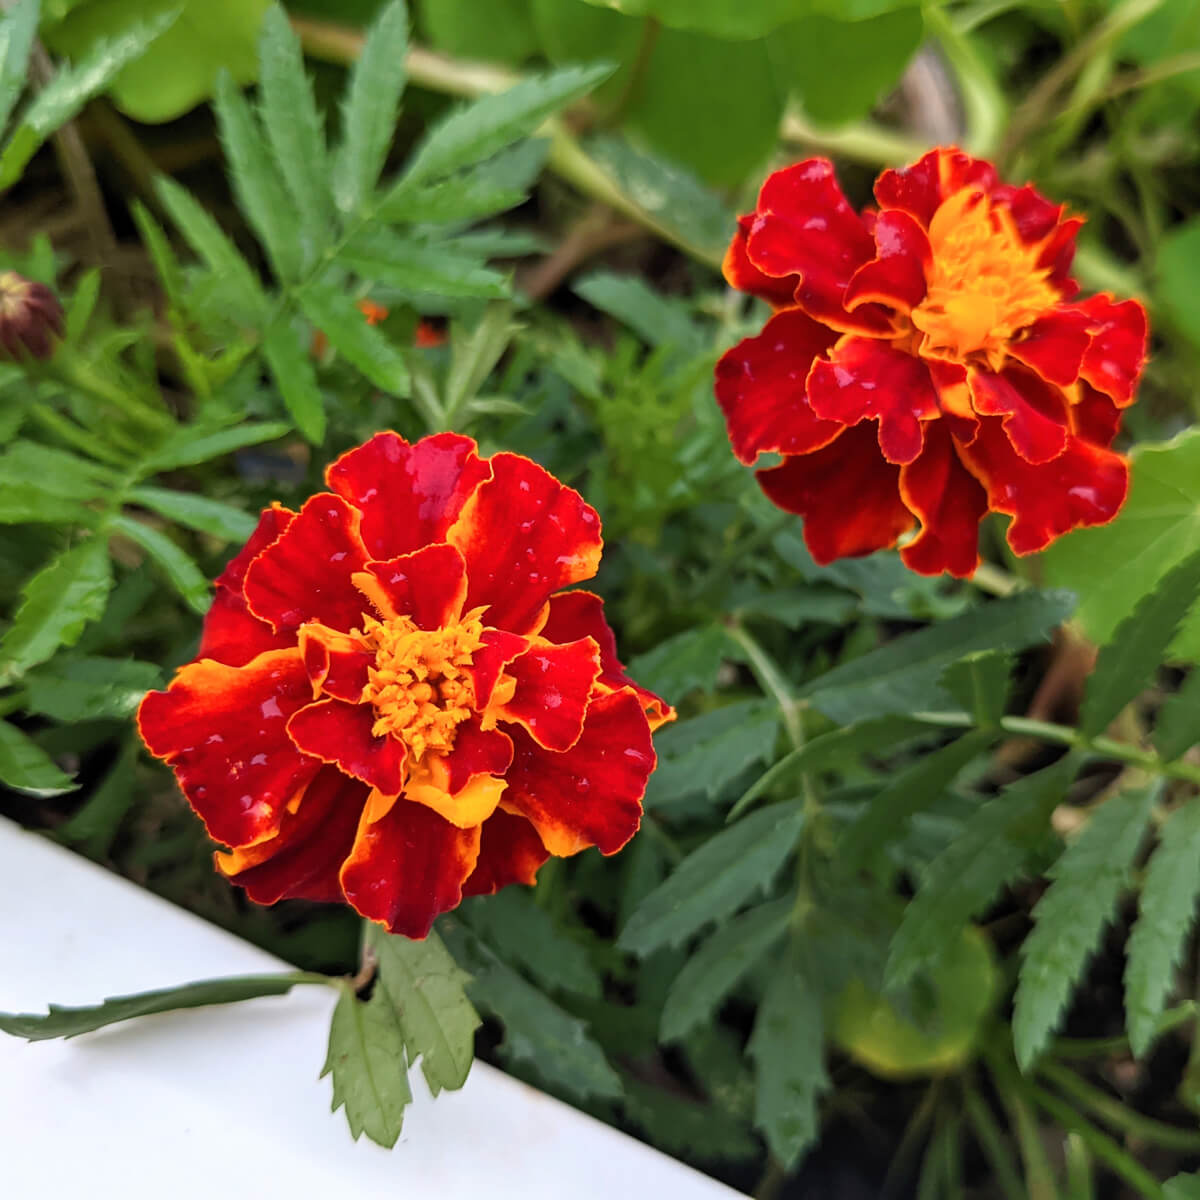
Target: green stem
[(991, 1139), (864, 142), (1039, 1175), (772, 680), (983, 98)]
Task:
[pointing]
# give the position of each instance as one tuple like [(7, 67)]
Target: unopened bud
[(31, 317)]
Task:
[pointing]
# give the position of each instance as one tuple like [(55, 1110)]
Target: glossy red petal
[(510, 851), (847, 493), (303, 860), (1058, 254), (223, 730), (591, 795), (581, 614), (954, 398), (742, 274), (231, 633), (1095, 417), (1117, 353), (871, 379), (336, 662), (523, 535), (915, 189), (958, 170), (760, 388), (553, 686), (340, 733), (896, 275), (306, 574), (1034, 216), (429, 585), (1054, 345), (500, 648), (1084, 485), (409, 495), (949, 502), (476, 751), (408, 867), (1035, 414)]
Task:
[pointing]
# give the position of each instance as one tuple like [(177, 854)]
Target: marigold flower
[(945, 317), (394, 703)]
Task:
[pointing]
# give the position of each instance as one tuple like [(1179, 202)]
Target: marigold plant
[(926, 363), (393, 701)]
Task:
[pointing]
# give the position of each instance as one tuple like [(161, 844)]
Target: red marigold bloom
[(395, 704), (945, 317)]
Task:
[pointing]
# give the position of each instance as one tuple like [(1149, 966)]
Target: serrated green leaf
[(27, 768), (486, 126), (260, 192), (292, 370), (713, 881), (90, 688), (197, 512), (56, 605), (962, 881), (1166, 913), (187, 446), (17, 31), (1138, 646), (719, 964), (64, 1022), (980, 683), (682, 663), (1177, 729), (370, 108), (1085, 884), (336, 315), (185, 577), (787, 1046), (902, 676), (294, 129), (424, 987), (415, 266)]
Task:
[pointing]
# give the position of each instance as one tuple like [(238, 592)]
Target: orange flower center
[(419, 686), (983, 284)]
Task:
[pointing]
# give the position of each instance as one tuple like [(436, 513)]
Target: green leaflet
[(90, 688), (197, 512), (980, 683), (1085, 884), (187, 446), (291, 366), (25, 767), (1178, 726), (334, 313), (17, 31), (179, 568), (687, 661)]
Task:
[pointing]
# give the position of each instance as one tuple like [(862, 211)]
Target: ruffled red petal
[(1054, 345), (510, 851), (576, 615), (949, 503), (553, 686), (958, 170), (1095, 417), (760, 388), (1034, 216), (408, 495), (865, 379), (1085, 485), (231, 633), (591, 795), (499, 649), (1035, 414), (304, 858), (1117, 353), (306, 574), (340, 733), (429, 585), (896, 275), (847, 493), (1059, 253), (476, 751), (408, 867), (223, 730), (915, 189), (954, 398), (742, 274), (336, 662), (523, 535)]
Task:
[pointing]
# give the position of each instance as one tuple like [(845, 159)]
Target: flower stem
[(772, 680)]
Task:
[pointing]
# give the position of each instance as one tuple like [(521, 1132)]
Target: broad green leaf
[(417, 266), (367, 1060), (335, 314), (292, 369), (962, 881), (187, 446), (473, 354), (90, 688), (17, 31), (746, 19), (370, 108), (715, 880), (178, 70), (1178, 265), (980, 683), (294, 128), (902, 676), (424, 987), (1138, 646), (1166, 913), (491, 30), (1085, 884), (719, 965), (657, 319), (56, 605), (486, 126), (27, 768), (1112, 567), (197, 512), (261, 193), (176, 564), (94, 826), (682, 663), (1182, 1187), (65, 1022), (787, 1046), (1177, 729)]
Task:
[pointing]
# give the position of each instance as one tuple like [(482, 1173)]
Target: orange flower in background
[(395, 704), (926, 363)]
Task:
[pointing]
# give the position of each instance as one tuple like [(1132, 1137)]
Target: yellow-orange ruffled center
[(419, 686), (983, 283)]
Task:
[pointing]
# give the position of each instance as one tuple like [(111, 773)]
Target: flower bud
[(30, 317)]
